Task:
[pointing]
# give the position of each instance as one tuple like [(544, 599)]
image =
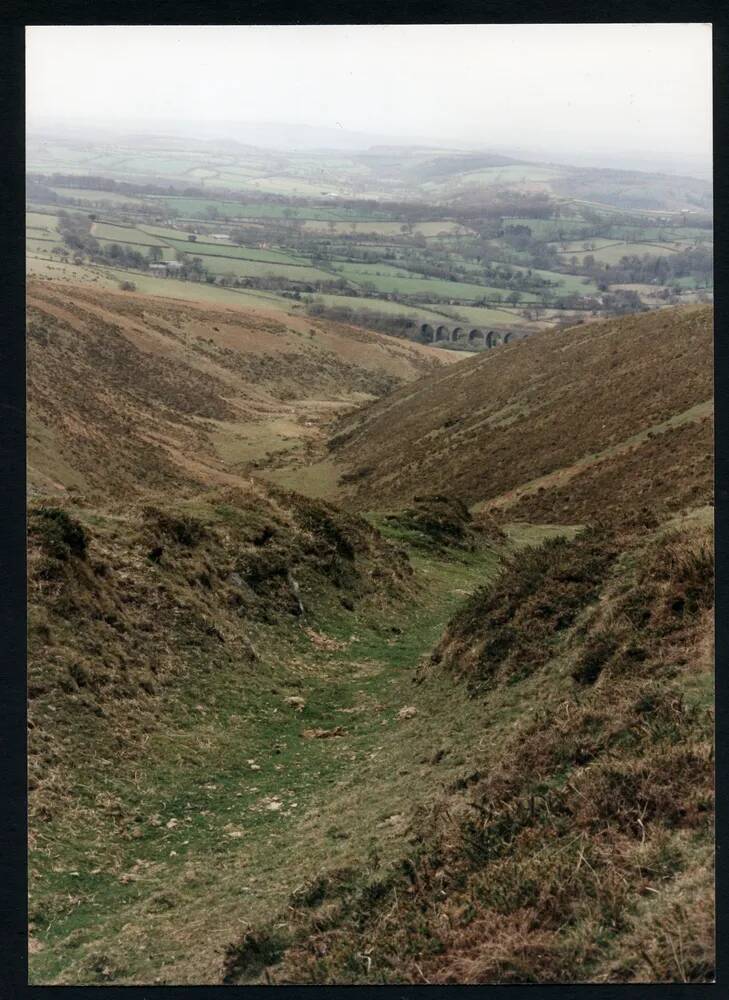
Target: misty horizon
[(283, 136), (541, 92)]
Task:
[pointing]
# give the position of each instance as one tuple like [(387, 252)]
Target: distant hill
[(365, 164), (562, 427)]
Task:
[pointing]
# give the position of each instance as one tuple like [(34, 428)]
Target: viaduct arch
[(474, 336)]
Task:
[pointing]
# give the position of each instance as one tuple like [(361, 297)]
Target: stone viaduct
[(473, 336)]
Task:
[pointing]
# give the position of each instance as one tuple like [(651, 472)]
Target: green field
[(41, 232), (240, 172), (461, 290), (685, 233), (584, 246), (424, 313), (294, 186), (124, 234), (225, 181), (57, 156), (218, 265), (40, 246), (199, 248), (688, 282), (40, 208), (193, 291), (240, 262), (483, 316), (363, 272), (163, 233), (613, 254), (576, 284), (94, 195), (383, 228), (519, 173), (198, 291), (201, 173), (41, 222), (149, 164), (198, 208)]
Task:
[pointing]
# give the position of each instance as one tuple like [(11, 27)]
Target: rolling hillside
[(282, 165), (129, 392), (599, 418)]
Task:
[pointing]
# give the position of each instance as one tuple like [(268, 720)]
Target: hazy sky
[(606, 87)]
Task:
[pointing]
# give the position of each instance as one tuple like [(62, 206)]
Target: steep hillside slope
[(565, 416), (579, 844), (127, 392)]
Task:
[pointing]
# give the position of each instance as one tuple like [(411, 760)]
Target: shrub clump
[(329, 525), (444, 521), (58, 533), (181, 528), (346, 548), (507, 631), (250, 955), (664, 601)]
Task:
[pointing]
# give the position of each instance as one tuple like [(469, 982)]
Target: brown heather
[(510, 655)]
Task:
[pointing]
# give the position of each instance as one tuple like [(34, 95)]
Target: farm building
[(162, 270)]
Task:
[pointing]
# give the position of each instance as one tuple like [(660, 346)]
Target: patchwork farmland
[(459, 251)]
